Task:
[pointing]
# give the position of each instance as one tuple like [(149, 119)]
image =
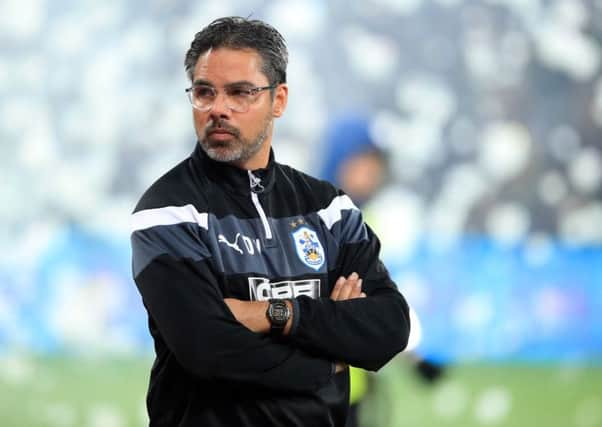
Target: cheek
[(251, 125), (199, 118)]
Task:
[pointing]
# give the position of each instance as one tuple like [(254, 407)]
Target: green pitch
[(110, 393), (487, 395)]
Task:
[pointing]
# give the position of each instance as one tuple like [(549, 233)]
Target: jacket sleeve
[(181, 294), (364, 332)]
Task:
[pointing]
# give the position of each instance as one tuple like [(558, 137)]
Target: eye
[(204, 92), (239, 92)]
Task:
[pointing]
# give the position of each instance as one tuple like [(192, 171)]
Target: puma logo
[(249, 244), (222, 239)]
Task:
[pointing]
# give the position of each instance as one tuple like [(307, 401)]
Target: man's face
[(229, 136), (361, 175)]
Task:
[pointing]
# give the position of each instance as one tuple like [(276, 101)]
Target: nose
[(220, 106)]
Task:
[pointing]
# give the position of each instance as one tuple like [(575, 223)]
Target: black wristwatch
[(278, 314)]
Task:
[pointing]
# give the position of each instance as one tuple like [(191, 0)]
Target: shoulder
[(334, 208), (168, 219)]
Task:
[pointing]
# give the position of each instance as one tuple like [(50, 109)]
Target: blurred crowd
[(488, 114)]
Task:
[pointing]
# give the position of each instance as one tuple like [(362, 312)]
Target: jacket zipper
[(256, 187)]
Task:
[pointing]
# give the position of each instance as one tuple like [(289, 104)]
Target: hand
[(347, 288)]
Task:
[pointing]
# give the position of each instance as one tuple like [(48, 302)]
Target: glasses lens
[(240, 98), (202, 97)]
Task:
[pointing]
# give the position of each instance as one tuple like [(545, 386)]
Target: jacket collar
[(231, 177)]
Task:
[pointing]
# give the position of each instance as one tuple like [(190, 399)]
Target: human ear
[(280, 100)]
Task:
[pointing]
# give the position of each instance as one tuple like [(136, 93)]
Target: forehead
[(223, 65)]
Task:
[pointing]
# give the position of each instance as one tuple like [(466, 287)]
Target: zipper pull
[(255, 183)]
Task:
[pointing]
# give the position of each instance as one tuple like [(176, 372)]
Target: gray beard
[(237, 150)]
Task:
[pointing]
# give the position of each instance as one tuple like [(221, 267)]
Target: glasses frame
[(252, 91)]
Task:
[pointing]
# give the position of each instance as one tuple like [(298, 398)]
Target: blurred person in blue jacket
[(354, 161)]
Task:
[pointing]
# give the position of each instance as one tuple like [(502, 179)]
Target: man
[(262, 284)]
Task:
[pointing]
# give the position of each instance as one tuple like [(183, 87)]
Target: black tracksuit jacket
[(206, 231)]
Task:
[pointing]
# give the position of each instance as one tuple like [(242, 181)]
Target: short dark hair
[(235, 32)]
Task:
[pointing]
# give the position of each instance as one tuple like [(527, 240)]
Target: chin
[(222, 154)]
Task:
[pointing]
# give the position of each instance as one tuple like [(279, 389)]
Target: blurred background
[(487, 112)]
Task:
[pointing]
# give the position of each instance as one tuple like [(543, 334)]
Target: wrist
[(289, 322), (280, 316)]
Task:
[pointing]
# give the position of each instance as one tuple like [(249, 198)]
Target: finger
[(334, 295), (345, 292), (357, 289), (347, 289), (353, 281)]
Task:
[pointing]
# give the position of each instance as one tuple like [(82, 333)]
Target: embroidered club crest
[(309, 248)]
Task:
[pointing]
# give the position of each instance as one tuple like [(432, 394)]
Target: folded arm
[(182, 297), (252, 314), (364, 322)]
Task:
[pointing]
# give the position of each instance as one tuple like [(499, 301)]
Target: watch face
[(278, 313)]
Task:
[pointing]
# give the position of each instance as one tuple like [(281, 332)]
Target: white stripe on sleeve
[(168, 215), (332, 214)]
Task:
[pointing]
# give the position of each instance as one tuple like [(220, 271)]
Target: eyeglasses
[(238, 98)]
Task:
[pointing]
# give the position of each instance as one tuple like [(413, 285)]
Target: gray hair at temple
[(235, 32)]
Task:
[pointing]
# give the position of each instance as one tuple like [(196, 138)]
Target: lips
[(220, 136), (220, 132)]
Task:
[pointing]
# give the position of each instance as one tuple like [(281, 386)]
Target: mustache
[(221, 125)]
